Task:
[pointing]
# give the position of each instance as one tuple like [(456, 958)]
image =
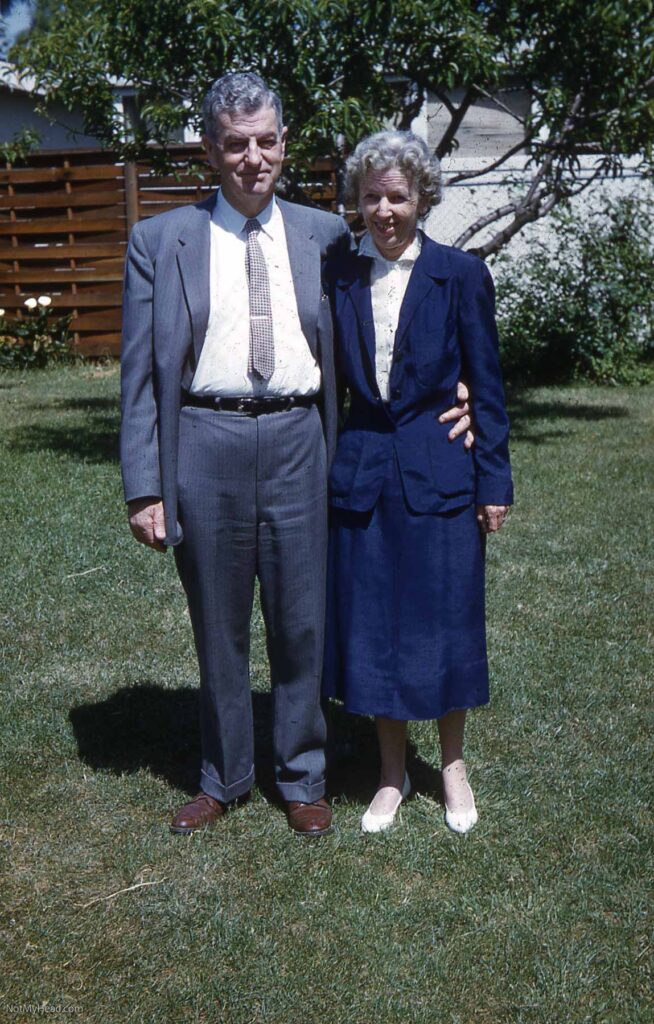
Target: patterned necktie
[(262, 345)]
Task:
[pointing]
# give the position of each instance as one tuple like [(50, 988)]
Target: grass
[(541, 914)]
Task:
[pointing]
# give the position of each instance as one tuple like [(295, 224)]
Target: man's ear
[(282, 139), (210, 149)]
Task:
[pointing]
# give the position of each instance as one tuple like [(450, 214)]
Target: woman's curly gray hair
[(403, 150)]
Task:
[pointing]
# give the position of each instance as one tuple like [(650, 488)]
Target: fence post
[(131, 195)]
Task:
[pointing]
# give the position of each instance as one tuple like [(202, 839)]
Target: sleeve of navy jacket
[(482, 373)]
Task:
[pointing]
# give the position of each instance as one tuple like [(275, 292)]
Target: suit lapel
[(359, 294), (193, 260), (432, 264), (304, 260)]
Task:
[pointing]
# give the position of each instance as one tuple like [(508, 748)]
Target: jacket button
[(395, 392), (399, 356)]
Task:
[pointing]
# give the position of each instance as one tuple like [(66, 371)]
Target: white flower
[(31, 303), (44, 300)]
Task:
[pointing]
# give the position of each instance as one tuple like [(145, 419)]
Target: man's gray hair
[(238, 92), (405, 151)]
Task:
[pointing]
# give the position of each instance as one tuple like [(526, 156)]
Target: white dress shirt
[(222, 369), (388, 283)]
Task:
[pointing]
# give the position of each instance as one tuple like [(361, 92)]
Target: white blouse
[(388, 283)]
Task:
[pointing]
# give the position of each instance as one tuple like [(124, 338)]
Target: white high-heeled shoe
[(380, 822), (462, 821)]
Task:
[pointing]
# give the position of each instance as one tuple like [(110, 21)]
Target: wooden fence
[(64, 222)]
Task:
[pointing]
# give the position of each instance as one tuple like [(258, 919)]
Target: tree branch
[(483, 222), (599, 115), (466, 175), (534, 204), (568, 193), (546, 203), (411, 108), (555, 148), (446, 101), (291, 190), (506, 234), (445, 145), (498, 103)]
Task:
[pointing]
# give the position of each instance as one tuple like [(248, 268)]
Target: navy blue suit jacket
[(446, 333)]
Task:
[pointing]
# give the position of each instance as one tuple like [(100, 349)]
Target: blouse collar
[(368, 248)]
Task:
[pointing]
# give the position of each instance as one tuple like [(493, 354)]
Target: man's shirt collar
[(229, 218)]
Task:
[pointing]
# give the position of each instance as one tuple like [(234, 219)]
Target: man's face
[(248, 154)]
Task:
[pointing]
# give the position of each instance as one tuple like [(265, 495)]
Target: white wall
[(462, 204), (488, 128)]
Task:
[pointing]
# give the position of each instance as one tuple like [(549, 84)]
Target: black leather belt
[(250, 406)]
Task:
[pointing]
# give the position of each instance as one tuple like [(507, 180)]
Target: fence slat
[(171, 196), (147, 209), (175, 181), (60, 276), (80, 250), (100, 344), (103, 320), (32, 175), (131, 195), (36, 200), (66, 301), (59, 226)]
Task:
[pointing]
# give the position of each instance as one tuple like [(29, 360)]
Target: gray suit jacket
[(165, 315)]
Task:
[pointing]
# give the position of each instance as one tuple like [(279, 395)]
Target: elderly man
[(229, 422)]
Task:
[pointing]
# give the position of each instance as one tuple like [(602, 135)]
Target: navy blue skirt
[(405, 632)]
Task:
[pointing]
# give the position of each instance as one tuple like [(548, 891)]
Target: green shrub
[(582, 305), (37, 340)]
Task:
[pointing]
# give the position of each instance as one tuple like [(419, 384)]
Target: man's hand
[(146, 521), (491, 517), (461, 414)]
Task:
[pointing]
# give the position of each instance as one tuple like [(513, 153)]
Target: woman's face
[(389, 205)]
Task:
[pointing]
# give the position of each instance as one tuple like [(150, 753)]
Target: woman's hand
[(491, 517)]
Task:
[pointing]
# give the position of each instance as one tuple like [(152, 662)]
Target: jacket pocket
[(453, 469)]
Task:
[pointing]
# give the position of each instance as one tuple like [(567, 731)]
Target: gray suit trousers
[(252, 503)]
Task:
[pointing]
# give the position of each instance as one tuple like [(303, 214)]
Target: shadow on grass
[(91, 439), (524, 412), (147, 726)]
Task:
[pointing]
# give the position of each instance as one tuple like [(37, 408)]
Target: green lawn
[(541, 914)]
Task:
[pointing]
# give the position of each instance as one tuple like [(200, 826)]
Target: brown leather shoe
[(309, 819), (202, 810)]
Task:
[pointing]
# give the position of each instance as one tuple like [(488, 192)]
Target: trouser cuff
[(297, 791), (209, 784)]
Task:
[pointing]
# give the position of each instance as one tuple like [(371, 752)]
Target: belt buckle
[(244, 405)]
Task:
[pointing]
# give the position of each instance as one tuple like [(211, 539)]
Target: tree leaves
[(345, 68)]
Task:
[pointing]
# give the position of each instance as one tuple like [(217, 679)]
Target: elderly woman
[(410, 508)]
